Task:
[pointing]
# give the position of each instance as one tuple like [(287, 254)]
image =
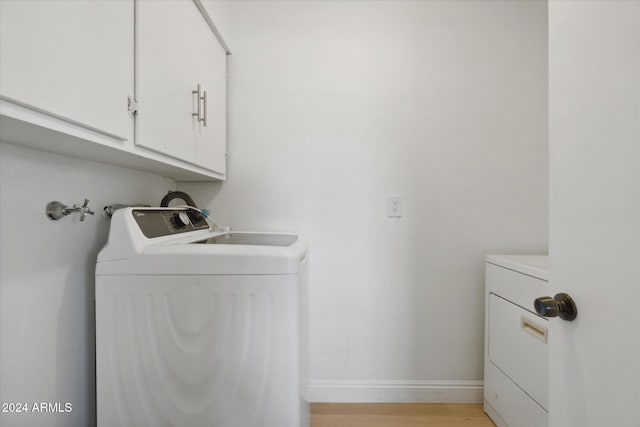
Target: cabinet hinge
[(132, 105), (226, 77)]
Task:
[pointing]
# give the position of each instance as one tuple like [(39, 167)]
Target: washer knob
[(181, 219)]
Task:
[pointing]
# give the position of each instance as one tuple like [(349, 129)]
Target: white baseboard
[(395, 391)]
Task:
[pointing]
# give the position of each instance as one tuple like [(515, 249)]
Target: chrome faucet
[(56, 210)]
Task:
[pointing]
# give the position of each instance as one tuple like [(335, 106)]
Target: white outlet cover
[(394, 206)]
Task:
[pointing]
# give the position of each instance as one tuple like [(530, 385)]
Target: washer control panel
[(165, 222)]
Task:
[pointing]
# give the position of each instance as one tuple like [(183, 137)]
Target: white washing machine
[(196, 327)]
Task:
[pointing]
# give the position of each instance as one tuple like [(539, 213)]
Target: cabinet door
[(70, 59), (211, 143), (168, 56)]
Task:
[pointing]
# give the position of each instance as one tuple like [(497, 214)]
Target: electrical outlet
[(394, 206)]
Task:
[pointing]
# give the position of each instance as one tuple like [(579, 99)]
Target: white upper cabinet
[(70, 60), (180, 84), (211, 144), (68, 69)]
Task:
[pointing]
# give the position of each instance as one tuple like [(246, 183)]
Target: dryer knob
[(181, 219)]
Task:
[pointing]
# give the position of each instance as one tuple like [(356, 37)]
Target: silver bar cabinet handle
[(204, 118), (197, 93)]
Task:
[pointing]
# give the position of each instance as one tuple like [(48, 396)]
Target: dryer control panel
[(166, 222)]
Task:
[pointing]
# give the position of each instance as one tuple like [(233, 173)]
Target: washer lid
[(253, 239), (150, 241)]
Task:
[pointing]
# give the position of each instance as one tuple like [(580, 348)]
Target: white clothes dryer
[(196, 327)]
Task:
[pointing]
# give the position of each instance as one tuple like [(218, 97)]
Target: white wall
[(47, 277), (334, 106), (594, 247)]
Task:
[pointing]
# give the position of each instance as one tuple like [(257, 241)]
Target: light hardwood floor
[(397, 415)]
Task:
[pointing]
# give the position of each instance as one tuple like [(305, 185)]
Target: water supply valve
[(56, 210)]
